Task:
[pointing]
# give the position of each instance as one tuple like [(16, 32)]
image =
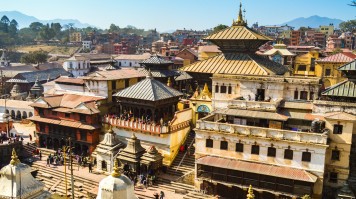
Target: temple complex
[(16, 181)]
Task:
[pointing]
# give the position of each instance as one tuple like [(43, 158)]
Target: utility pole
[(71, 165), (64, 150)]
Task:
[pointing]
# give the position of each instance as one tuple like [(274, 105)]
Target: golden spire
[(250, 194), (116, 173), (14, 159), (206, 89), (169, 83), (240, 19)]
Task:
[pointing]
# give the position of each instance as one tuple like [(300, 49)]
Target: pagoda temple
[(238, 44)]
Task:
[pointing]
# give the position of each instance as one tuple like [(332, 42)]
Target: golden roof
[(237, 64), (237, 33)]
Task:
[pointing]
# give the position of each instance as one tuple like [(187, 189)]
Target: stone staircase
[(27, 150), (184, 163)]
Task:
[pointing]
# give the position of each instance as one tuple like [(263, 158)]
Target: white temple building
[(16, 181)]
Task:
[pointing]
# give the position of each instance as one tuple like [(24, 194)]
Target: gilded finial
[(250, 194), (169, 83), (116, 173), (14, 159), (240, 19)]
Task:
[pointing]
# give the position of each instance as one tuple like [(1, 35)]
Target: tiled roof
[(339, 58), (133, 57), (342, 89), (237, 64), (156, 59), (64, 123), (252, 114), (160, 73), (258, 168), (210, 48), (348, 66), (237, 33), (148, 89), (30, 77), (69, 80), (124, 73)]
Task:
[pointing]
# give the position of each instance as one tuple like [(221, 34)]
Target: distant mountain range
[(25, 20), (312, 21)]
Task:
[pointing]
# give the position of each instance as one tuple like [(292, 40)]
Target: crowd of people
[(129, 116), (13, 138)]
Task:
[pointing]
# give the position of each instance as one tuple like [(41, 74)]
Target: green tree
[(46, 33), (114, 28), (4, 23), (36, 26), (56, 27), (35, 57), (219, 28), (13, 28), (348, 26)]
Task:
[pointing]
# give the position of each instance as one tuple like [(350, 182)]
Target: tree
[(4, 23), (219, 28), (114, 28), (35, 57), (13, 28), (348, 26), (36, 26)]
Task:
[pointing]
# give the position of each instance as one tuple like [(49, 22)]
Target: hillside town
[(233, 112)]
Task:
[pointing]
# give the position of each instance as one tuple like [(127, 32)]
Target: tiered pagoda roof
[(149, 89), (156, 60), (158, 66), (238, 44), (133, 151)]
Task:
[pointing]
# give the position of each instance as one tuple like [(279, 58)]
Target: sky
[(178, 14)]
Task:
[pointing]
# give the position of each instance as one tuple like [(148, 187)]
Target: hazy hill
[(312, 21), (25, 20)]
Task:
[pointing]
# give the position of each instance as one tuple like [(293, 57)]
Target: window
[(70, 65), (209, 143), (223, 89), (83, 135), (328, 72), (67, 115), (255, 149), (216, 88), (79, 65), (303, 95), (229, 89), (296, 94), (288, 154), (127, 83), (311, 95), (302, 68), (337, 129), (306, 156), (271, 152), (312, 64), (82, 117), (239, 147), (333, 177), (113, 85), (54, 113), (223, 145), (335, 155)]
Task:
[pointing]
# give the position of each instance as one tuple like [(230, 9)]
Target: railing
[(274, 134), (255, 105), (137, 126)]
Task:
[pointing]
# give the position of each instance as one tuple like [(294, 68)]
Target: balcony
[(209, 124), (272, 105)]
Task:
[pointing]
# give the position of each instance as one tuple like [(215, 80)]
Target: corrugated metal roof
[(237, 33), (156, 59), (252, 114), (339, 58), (342, 89), (237, 64), (30, 77), (348, 66), (283, 52), (160, 73), (183, 76), (148, 89), (258, 168)]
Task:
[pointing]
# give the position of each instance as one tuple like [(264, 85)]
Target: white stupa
[(17, 182), (116, 186)]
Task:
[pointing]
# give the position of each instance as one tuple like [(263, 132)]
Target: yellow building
[(200, 103), (326, 68), (327, 30), (205, 52), (305, 64), (75, 37)]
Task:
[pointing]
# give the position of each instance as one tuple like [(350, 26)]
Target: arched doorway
[(24, 115), (7, 111), (18, 115), (104, 165), (30, 114), (203, 111), (13, 114)]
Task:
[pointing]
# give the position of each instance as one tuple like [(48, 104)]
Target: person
[(48, 163), (156, 195), (188, 150), (90, 168), (30, 137), (161, 195), (40, 154)]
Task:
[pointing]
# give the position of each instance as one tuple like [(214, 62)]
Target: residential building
[(327, 30), (304, 64), (60, 117), (320, 39), (131, 60), (295, 38), (188, 54), (86, 45), (77, 65), (326, 68), (75, 37), (205, 52)]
